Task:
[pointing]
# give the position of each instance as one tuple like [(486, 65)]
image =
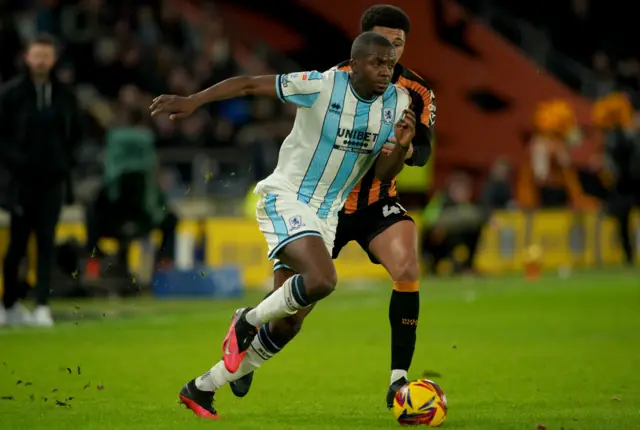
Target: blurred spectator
[(614, 116), (605, 73), (130, 204), (9, 46), (549, 179), (451, 220), (595, 179), (629, 73), (40, 128), (496, 193), (148, 31)]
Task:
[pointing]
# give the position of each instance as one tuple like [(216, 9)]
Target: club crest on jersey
[(387, 115), (295, 222), (284, 81)]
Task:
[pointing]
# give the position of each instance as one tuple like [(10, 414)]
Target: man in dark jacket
[(622, 147), (40, 127)]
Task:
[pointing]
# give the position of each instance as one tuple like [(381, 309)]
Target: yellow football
[(420, 403)]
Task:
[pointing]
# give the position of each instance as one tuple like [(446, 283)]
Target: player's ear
[(352, 62)]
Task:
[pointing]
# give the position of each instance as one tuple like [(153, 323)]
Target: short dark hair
[(365, 41), (43, 39), (385, 15)]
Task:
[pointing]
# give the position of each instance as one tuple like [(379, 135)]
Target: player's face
[(377, 69), (40, 58), (395, 36)]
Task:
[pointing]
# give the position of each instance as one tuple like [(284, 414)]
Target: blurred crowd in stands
[(597, 34), (119, 54), (603, 45)]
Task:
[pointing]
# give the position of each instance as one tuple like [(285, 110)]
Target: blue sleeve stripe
[(304, 100), (314, 76), (279, 88)]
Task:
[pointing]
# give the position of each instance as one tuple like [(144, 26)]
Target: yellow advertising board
[(502, 243), (238, 241), (77, 231), (566, 239), (635, 228)]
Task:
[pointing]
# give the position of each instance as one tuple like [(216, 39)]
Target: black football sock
[(404, 309)]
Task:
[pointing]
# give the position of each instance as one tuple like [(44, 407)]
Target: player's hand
[(409, 153), (176, 106), (387, 148), (405, 129)]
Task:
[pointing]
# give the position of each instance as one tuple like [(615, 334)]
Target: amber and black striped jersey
[(423, 104)]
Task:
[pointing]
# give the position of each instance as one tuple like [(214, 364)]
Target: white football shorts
[(282, 218)]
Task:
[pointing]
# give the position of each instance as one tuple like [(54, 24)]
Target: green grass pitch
[(562, 353)]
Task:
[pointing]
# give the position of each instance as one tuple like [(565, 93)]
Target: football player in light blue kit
[(343, 121)]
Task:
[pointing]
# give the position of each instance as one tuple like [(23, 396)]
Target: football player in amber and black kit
[(374, 218)]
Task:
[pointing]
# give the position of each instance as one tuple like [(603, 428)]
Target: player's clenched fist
[(176, 106), (405, 129)]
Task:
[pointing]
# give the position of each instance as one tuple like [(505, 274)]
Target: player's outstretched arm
[(388, 166), (180, 107)]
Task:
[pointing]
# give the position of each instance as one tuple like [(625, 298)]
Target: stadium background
[(511, 354), (489, 65)]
